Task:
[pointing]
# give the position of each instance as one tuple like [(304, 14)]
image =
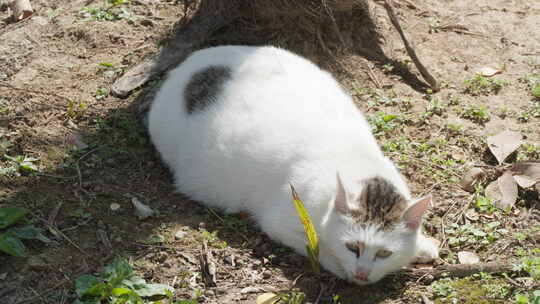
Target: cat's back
[(236, 123)]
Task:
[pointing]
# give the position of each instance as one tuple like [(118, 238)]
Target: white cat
[(237, 124)]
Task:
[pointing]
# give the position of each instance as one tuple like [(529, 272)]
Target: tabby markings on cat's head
[(204, 87), (377, 228), (379, 204)]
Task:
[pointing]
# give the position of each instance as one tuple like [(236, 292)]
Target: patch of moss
[(482, 289)]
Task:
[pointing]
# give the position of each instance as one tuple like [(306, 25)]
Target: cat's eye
[(383, 253), (355, 247)]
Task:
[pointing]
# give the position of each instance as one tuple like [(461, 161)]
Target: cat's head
[(374, 230)]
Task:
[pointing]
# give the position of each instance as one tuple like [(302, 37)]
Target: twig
[(410, 50), (57, 232), (457, 270), (321, 290), (53, 214), (372, 76), (208, 268), (32, 299)]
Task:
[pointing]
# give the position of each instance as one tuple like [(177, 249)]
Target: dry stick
[(32, 299), (410, 50), (21, 9), (211, 16), (457, 270)]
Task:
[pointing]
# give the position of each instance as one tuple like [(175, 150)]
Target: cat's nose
[(362, 275)]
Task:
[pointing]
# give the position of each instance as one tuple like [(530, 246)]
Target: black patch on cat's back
[(380, 203), (204, 87)]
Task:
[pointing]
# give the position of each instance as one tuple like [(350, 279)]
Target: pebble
[(180, 234), (230, 260), (250, 289), (266, 274)]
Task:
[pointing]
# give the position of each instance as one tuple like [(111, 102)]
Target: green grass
[(477, 289), (111, 10), (476, 113), (481, 85)]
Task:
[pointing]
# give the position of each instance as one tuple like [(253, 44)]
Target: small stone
[(209, 293), (147, 22), (115, 206), (230, 260), (202, 225), (180, 234), (250, 289), (266, 274), (3, 276)]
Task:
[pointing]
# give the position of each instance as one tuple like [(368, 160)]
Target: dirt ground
[(92, 151)]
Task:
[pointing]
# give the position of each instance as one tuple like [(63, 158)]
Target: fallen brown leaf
[(503, 144), (471, 178), (529, 169), (524, 181), (503, 191), (267, 298), (472, 215)]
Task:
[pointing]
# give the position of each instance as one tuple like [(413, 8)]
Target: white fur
[(279, 120)]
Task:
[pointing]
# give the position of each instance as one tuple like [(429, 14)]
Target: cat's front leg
[(427, 249)]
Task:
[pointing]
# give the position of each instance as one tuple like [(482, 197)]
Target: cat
[(238, 124)]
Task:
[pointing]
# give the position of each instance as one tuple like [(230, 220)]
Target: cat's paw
[(427, 250)]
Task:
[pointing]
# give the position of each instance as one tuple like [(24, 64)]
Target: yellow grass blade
[(312, 245)]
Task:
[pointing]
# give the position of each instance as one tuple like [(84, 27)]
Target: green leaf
[(311, 235), (10, 215), (117, 271), (12, 245), (106, 64), (28, 233), (119, 291), (89, 285), (389, 117), (150, 290)]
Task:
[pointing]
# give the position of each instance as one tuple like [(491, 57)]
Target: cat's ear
[(340, 202), (413, 215)]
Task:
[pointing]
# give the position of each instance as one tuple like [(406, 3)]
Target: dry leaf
[(470, 179), (267, 298), (503, 191), (489, 72), (141, 210), (529, 169), (472, 215), (524, 181), (467, 257), (503, 144)]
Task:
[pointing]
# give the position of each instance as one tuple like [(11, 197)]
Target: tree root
[(456, 270)]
